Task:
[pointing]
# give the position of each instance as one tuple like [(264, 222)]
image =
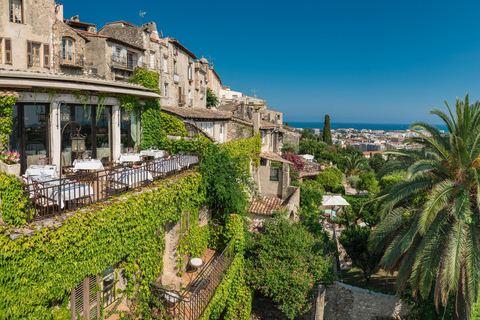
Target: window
[(175, 67), (207, 127), (165, 89), (262, 135), (274, 174), (263, 162), (33, 53), (152, 59), (165, 64), (16, 11), (67, 49), (131, 60), (190, 73)]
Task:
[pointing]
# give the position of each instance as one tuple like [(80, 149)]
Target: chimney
[(256, 121), (59, 11)]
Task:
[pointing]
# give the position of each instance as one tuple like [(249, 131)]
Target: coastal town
[(136, 183)]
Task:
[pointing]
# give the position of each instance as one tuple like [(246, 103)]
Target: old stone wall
[(125, 32), (292, 137), (344, 302), (237, 130), (78, 67)]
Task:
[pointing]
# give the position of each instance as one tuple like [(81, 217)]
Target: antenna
[(255, 91), (210, 58), (142, 13)]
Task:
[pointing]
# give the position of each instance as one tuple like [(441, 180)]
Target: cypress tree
[(327, 134)]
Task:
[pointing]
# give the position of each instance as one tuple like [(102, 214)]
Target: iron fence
[(126, 63), (49, 197), (190, 305)]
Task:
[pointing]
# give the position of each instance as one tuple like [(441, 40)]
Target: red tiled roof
[(198, 113), (372, 152), (265, 205)]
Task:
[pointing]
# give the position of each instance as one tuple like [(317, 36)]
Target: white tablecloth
[(68, 191), (185, 161), (165, 166), (36, 170), (93, 164), (130, 157), (153, 153), (132, 176)]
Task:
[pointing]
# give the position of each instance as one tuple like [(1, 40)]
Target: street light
[(78, 141)]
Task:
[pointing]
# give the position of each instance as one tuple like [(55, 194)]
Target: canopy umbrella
[(334, 201)]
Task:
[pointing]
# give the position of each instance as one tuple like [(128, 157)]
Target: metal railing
[(55, 196), (71, 59), (109, 294), (125, 63), (191, 305)]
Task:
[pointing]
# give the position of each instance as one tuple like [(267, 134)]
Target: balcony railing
[(125, 63), (56, 196), (191, 304), (71, 60)]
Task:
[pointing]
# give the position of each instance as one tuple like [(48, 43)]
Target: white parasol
[(334, 201)]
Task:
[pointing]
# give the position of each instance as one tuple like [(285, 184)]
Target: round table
[(196, 263)]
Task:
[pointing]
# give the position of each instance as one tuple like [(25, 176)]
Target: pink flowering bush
[(287, 263), (10, 157)]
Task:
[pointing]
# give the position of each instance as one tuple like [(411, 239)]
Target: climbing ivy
[(232, 295), (6, 122), (14, 205), (39, 271), (146, 78), (246, 146), (173, 126)]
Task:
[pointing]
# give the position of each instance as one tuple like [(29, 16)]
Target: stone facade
[(238, 130), (77, 65), (344, 302)]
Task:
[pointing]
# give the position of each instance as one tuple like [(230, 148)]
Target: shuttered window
[(85, 299), (33, 54), (8, 51), (46, 56)]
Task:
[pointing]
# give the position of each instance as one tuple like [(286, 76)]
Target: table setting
[(87, 164)]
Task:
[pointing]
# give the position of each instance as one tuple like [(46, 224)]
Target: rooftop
[(198, 113), (265, 205)]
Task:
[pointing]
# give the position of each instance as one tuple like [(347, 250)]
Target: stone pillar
[(116, 133), (285, 180), (55, 135)]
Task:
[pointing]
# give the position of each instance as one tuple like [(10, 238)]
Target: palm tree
[(355, 163), (430, 229)]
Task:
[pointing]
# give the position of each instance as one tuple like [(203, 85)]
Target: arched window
[(68, 49)]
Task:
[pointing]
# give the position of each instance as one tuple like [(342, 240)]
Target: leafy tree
[(212, 100), (433, 241), (327, 134), (376, 162), (355, 240), (227, 181), (289, 147), (307, 134), (311, 194), (287, 263), (286, 124), (330, 178), (368, 182), (353, 181)]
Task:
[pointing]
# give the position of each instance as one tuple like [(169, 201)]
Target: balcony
[(56, 196), (191, 303), (123, 63), (71, 60), (176, 78)]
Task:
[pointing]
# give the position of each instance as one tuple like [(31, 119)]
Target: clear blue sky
[(358, 61)]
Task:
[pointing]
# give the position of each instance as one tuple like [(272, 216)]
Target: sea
[(358, 126)]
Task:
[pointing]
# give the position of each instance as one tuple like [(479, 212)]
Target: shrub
[(289, 147), (353, 181), (286, 264), (339, 189), (311, 194), (298, 163), (368, 182), (172, 126), (389, 181), (355, 240), (14, 202)]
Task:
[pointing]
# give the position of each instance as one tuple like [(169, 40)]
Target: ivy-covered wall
[(250, 147), (6, 123), (232, 295), (39, 271)]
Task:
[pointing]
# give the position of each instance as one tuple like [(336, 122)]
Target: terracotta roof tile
[(273, 157), (265, 205), (198, 113), (9, 93)]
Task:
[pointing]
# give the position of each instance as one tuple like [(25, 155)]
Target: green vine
[(38, 270), (14, 204), (6, 122)]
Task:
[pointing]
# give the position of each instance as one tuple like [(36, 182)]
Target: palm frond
[(439, 198)]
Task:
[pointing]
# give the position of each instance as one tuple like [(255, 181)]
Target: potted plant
[(10, 162)]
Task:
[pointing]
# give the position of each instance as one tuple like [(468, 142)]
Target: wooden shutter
[(46, 56), (29, 54), (76, 305), (93, 298), (8, 51)]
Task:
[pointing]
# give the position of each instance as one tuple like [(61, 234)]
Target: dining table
[(133, 176), (87, 164), (37, 170), (130, 157), (153, 153)]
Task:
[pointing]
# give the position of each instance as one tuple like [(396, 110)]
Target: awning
[(66, 85)]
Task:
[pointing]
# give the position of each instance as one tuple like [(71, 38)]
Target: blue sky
[(358, 61)]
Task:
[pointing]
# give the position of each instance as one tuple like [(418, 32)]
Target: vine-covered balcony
[(52, 196)]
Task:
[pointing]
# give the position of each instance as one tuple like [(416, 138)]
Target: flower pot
[(10, 168)]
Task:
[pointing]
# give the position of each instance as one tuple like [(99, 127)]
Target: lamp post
[(78, 141)]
